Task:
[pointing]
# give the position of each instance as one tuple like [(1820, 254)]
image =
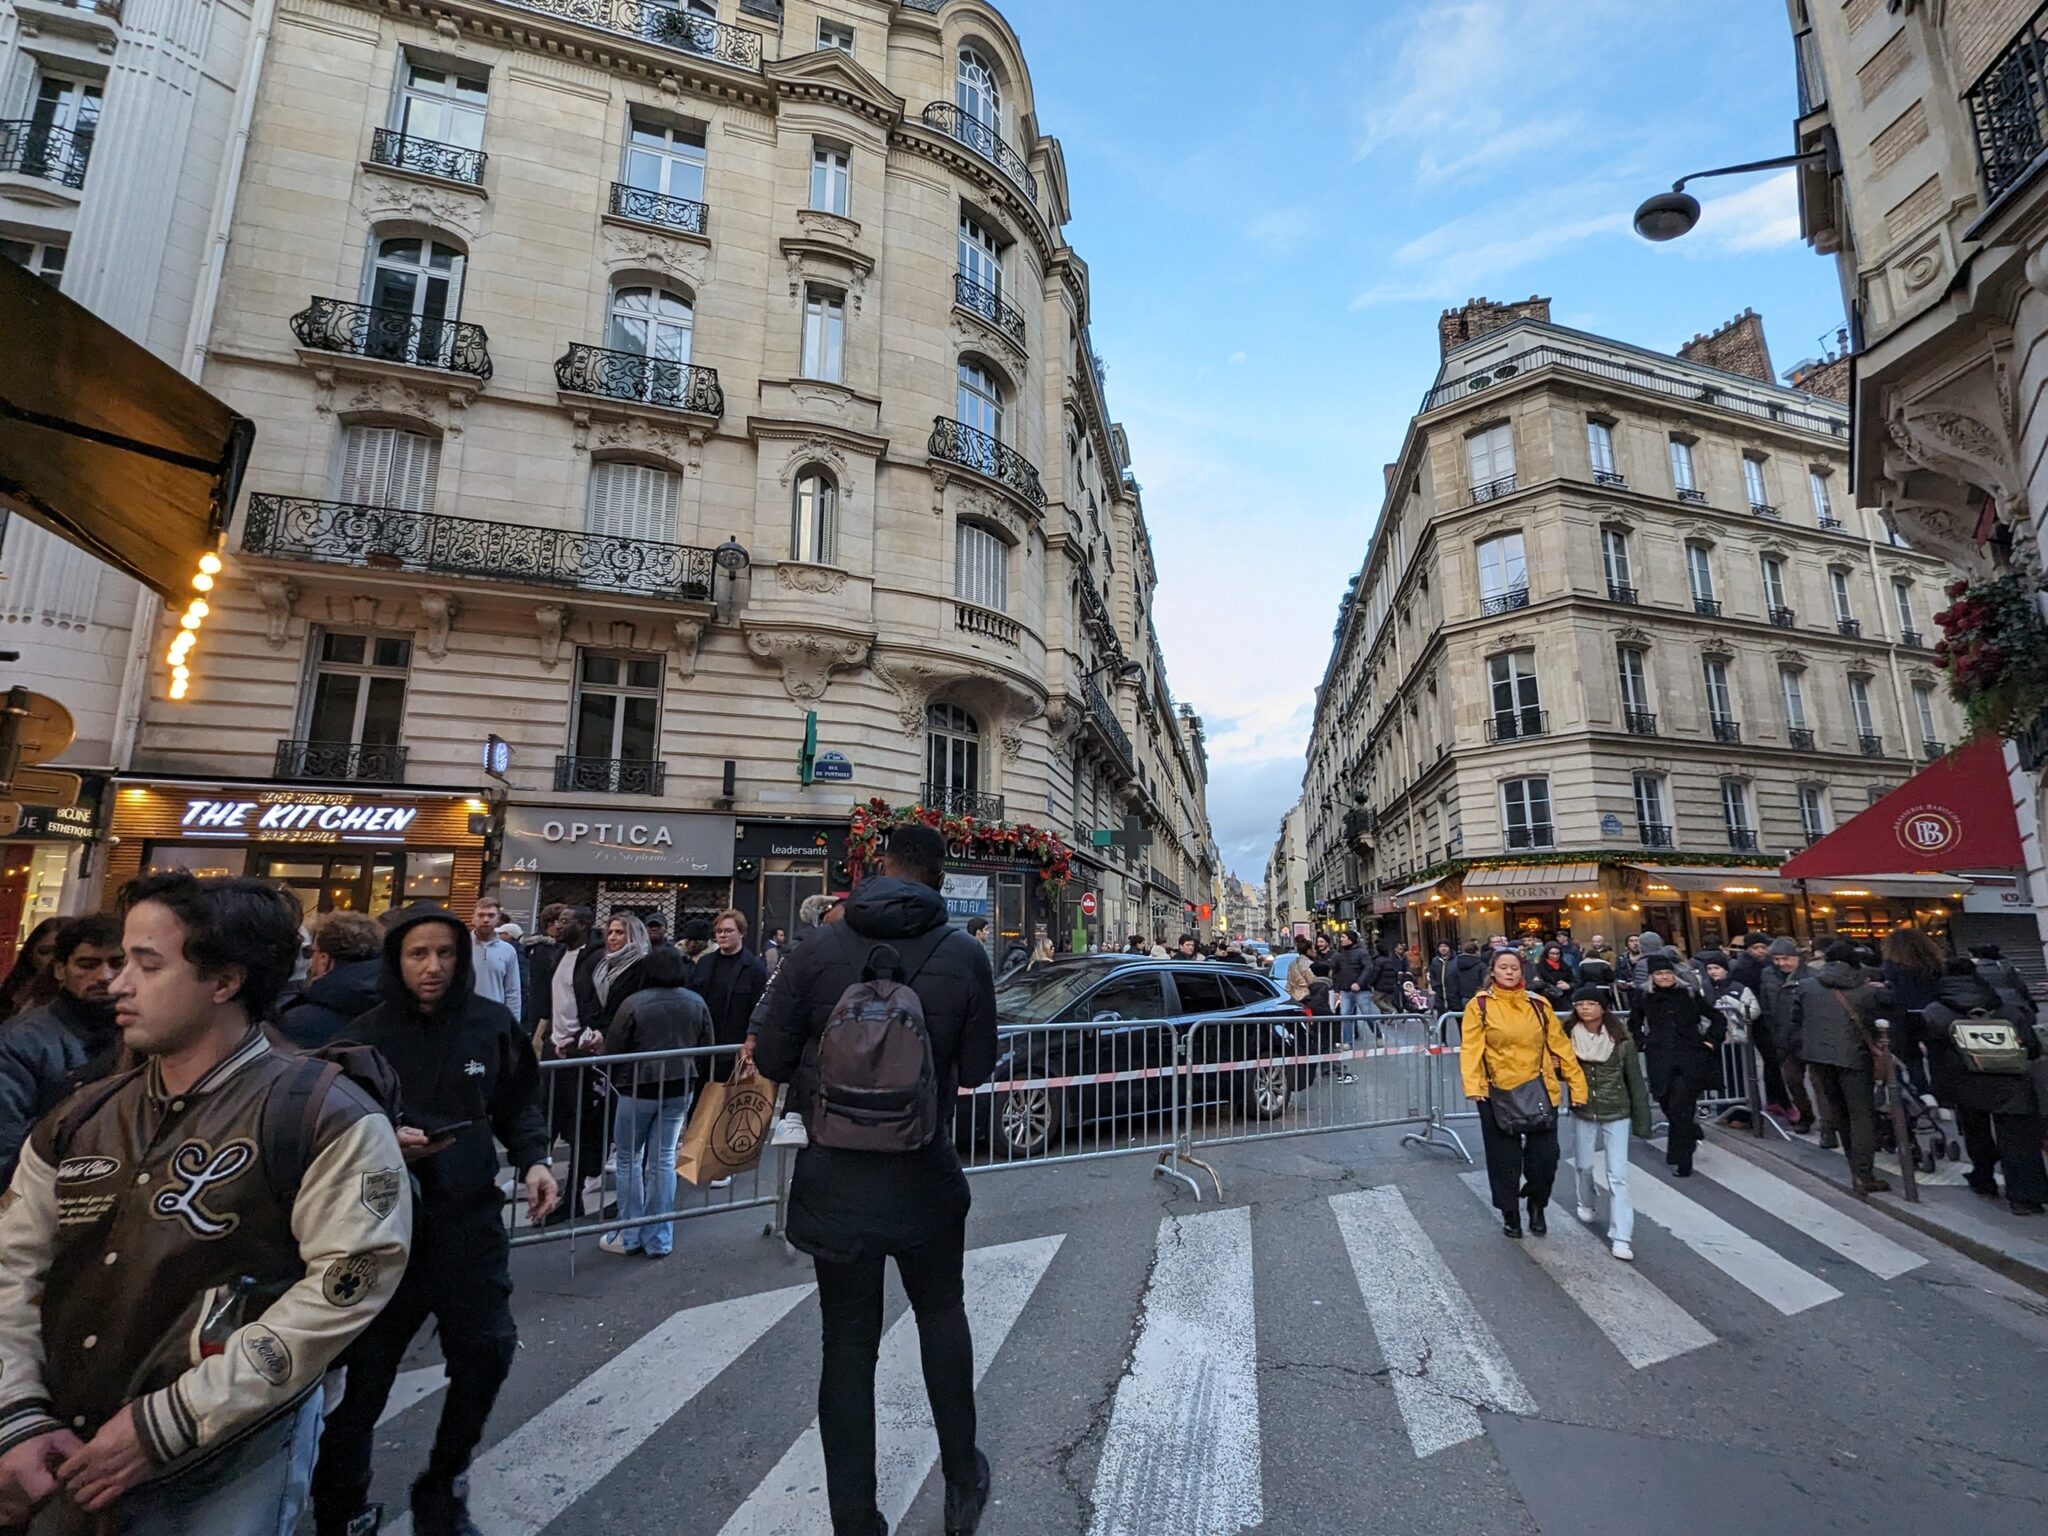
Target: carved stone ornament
[(1790, 659), (681, 449), (550, 617), (649, 250), (818, 450), (808, 263), (913, 682), (1632, 634), (1702, 534), (689, 635), (1514, 639), (1063, 716), (388, 199), (798, 576), (807, 657), (986, 509), (1717, 650), (1011, 733), (277, 596), (439, 611)]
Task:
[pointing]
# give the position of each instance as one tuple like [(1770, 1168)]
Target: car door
[(1202, 994), (1127, 1014)]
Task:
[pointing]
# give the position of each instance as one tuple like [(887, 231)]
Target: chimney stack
[(1737, 347), (1478, 317)]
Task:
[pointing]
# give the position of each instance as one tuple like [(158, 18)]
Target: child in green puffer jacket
[(1617, 1104)]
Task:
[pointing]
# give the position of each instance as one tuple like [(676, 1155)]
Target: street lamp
[(732, 558), (1668, 215), (1127, 671)]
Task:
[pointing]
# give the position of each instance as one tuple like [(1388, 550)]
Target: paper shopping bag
[(727, 1129)]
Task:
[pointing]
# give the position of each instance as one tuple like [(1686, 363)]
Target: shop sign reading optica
[(295, 818), (579, 841)]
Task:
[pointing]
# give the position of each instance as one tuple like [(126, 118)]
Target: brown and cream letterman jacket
[(114, 1248)]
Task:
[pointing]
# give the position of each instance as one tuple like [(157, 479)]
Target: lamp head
[(732, 557), (1667, 215)]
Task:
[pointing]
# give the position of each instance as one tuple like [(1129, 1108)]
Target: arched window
[(814, 517), (952, 751), (652, 322), (415, 288), (975, 91), (978, 403)]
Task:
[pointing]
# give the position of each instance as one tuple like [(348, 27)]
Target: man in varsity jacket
[(187, 1246)]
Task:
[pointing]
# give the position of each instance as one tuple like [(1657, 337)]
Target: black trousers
[(1794, 1071), (850, 1297), (1681, 1113), (462, 1282), (579, 1114), (1845, 1098), (1520, 1166), (2015, 1141), (1772, 1084)]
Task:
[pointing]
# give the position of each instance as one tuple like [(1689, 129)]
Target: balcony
[(1654, 834), (1164, 882), (1640, 722), (1692, 495), (1621, 592), (656, 22), (638, 379), (944, 117), (1609, 478), (1828, 523), (1800, 738), (949, 801), (2008, 109), (973, 619), (1359, 824), (1493, 490), (427, 157), (657, 208), (1517, 724), (29, 148), (1870, 743), (1709, 607), (610, 776), (1541, 835), (339, 762), (1764, 509), (1910, 637), (1505, 602), (985, 303), (391, 539), (1851, 628), (1933, 751), (1104, 720), (1784, 618), (971, 448), (1728, 732), (393, 336), (1742, 839)]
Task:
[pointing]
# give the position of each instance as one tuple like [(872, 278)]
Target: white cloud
[(1761, 217), (1236, 358), (1475, 252)]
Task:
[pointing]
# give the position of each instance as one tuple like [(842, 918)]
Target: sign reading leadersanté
[(578, 841)]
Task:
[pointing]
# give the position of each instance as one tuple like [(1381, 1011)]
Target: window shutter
[(633, 501), (415, 465), (386, 467)]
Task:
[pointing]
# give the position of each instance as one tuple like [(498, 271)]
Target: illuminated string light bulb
[(178, 687), (202, 582), (189, 621), (199, 608), (210, 564)]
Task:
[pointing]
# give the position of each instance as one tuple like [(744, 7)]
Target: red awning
[(1954, 814)]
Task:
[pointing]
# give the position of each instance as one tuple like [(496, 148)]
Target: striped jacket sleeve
[(28, 1230)]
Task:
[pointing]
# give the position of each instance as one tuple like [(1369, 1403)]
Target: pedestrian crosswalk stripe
[(411, 1387), (1182, 1451), (1816, 1218), (1778, 1281), (1444, 1360), (1639, 1320), (790, 1500), (526, 1480)]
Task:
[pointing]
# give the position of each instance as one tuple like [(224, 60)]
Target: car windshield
[(1040, 996)]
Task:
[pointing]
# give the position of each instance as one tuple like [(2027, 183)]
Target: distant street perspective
[(612, 914)]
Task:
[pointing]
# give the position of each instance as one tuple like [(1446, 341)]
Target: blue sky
[(1275, 203)]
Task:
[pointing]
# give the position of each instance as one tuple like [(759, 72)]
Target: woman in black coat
[(1996, 1111), (1681, 1034), (1553, 979)]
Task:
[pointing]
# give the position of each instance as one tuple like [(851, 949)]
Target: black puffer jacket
[(330, 1005), (1348, 966), (1680, 1032), (1832, 1012), (1464, 979), (1955, 1084), (853, 1205), (45, 1054)]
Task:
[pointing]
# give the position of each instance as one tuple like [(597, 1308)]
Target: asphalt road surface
[(1346, 1343)]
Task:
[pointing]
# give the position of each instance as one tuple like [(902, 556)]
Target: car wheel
[(1027, 1123), (1266, 1092)]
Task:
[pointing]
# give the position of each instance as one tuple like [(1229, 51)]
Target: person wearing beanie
[(1681, 1036), (1617, 1103), (1784, 1079), (1833, 1011)]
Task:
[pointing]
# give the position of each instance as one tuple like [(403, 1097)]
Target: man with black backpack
[(467, 1071), (188, 1245), (876, 1022)]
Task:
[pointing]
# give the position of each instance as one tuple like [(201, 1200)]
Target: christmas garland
[(873, 822), (1994, 648), (1604, 857)]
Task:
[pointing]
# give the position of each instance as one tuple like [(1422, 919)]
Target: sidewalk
[(1981, 1229)]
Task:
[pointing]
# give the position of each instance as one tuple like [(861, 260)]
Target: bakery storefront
[(675, 865), (356, 850)]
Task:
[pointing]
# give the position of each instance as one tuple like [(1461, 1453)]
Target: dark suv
[(1125, 1018)]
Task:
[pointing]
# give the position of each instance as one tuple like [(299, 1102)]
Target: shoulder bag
[(1526, 1107), (1989, 1045)]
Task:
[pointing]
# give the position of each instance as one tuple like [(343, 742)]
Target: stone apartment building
[(1933, 123), (675, 425), (1288, 898), (1622, 640)]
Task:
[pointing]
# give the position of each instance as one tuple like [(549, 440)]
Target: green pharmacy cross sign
[(1134, 839)]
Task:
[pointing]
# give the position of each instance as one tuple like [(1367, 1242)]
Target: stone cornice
[(830, 75)]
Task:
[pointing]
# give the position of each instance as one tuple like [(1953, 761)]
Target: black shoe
[(2026, 1207), (364, 1522), (440, 1507), (1510, 1224), (1538, 1222), (1829, 1141), (966, 1501), (1682, 1173), (1872, 1185), (1988, 1188)]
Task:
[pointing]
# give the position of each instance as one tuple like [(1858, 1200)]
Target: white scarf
[(1590, 1044)]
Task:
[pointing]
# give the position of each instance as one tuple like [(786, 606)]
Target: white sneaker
[(789, 1132), (1623, 1252), (611, 1242), (722, 1183), (1584, 1212)]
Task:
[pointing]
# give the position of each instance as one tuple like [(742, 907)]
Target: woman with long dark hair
[(1617, 1103), (1514, 1057), (33, 980), (1913, 967)]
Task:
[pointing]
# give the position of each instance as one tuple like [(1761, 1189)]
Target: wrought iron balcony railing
[(393, 336), (657, 22), (1505, 602), (610, 775), (2008, 109), (1641, 722), (1799, 738), (339, 762), (1493, 490), (1692, 495), (1728, 731), (427, 157), (1654, 834), (1611, 478), (1517, 724), (944, 117), (1766, 510), (1784, 618), (1909, 637), (1851, 628), (636, 377), (948, 801), (980, 299), (1540, 835), (972, 448), (389, 538), (29, 148), (973, 619), (1742, 839), (658, 208), (1709, 606), (1829, 523), (1932, 750), (1106, 722), (1620, 592), (1871, 743)]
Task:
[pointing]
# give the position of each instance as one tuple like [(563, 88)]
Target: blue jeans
[(646, 1129), (1358, 1005), (1589, 1136)]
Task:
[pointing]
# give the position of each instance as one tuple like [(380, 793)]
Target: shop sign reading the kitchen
[(296, 818)]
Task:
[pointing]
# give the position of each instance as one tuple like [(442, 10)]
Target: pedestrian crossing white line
[(1444, 1361), (1182, 1451), (525, 1481), (410, 1387), (1749, 1263), (1815, 1217), (1639, 1320), (790, 1500)]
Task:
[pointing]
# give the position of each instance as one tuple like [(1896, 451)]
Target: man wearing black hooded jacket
[(466, 1070)]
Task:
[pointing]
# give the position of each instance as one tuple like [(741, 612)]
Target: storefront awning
[(1411, 892), (1954, 814), (1932, 887), (108, 446), (1533, 882), (1709, 877)]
